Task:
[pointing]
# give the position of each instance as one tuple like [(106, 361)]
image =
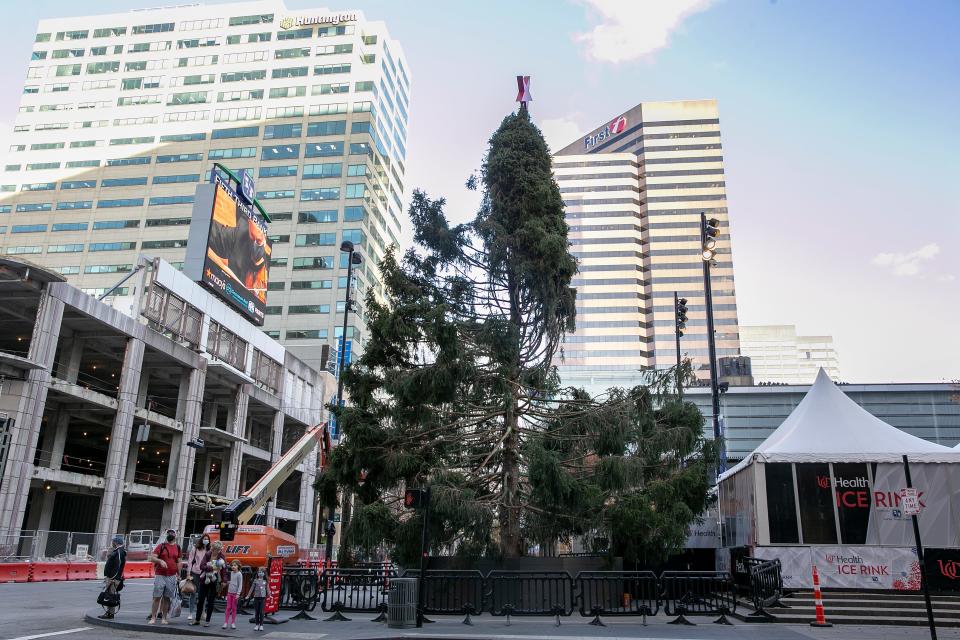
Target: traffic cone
[(821, 620)]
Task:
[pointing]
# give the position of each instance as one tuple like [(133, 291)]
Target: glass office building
[(634, 189), (122, 114)]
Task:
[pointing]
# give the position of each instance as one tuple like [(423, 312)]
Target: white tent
[(827, 426)]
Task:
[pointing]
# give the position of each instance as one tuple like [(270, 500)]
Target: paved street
[(56, 609)]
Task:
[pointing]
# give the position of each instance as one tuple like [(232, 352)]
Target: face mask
[(206, 543), (260, 574), (171, 538)]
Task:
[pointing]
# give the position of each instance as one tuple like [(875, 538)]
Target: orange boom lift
[(253, 544)]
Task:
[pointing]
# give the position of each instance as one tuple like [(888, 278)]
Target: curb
[(176, 630)]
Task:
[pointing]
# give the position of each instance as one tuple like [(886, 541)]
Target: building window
[(328, 128), (354, 214), (276, 131), (64, 248), (120, 202), (278, 172), (28, 207), (327, 170), (115, 224), (174, 179), (69, 226), (165, 200), (112, 246), (326, 193), (163, 244), (311, 284), (75, 204), (356, 190), (226, 154), (28, 228), (123, 182), (318, 262), (235, 132), (328, 215), (323, 149), (108, 268), (316, 239), (280, 152)]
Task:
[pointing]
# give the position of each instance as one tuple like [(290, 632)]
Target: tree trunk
[(510, 544)]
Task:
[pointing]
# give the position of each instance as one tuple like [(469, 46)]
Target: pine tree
[(457, 389)]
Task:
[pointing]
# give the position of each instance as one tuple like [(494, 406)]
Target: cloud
[(631, 29), (559, 132), (907, 264)]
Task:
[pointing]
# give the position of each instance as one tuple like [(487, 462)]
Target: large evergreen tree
[(457, 389)]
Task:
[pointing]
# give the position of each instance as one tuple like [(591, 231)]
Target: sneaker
[(206, 623), (224, 626), (106, 616), (233, 626), (195, 623), (190, 617)]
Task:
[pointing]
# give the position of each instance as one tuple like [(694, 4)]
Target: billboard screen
[(237, 260)]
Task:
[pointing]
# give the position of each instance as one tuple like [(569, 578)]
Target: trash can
[(402, 603)]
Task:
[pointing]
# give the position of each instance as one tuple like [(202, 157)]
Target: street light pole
[(352, 258), (708, 234)]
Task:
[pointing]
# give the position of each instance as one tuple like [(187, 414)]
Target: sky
[(838, 120)]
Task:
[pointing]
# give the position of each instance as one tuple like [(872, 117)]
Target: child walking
[(259, 596), (233, 593)]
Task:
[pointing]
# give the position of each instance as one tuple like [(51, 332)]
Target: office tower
[(123, 114), (634, 189), (779, 355)]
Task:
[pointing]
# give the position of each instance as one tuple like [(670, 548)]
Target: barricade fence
[(525, 593), (766, 586)]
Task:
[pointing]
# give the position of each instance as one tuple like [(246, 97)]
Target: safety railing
[(705, 593), (354, 591), (529, 593), (617, 593), (766, 588), (452, 593)]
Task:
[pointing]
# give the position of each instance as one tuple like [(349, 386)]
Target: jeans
[(230, 615), (207, 596), (258, 611), (191, 601)]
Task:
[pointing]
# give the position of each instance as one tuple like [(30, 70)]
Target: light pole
[(352, 258), (709, 230)]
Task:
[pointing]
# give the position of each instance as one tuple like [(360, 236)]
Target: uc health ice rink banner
[(847, 567)]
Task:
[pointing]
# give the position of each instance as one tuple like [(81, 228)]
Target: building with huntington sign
[(634, 189), (122, 115)]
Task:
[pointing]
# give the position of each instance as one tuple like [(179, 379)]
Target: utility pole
[(352, 258), (709, 230)]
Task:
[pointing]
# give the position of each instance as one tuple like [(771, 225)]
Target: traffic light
[(681, 315), (708, 238), (415, 498)]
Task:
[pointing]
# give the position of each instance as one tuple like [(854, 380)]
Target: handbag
[(176, 605), (108, 599), (187, 587)]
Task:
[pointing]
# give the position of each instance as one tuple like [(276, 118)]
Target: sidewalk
[(574, 627)]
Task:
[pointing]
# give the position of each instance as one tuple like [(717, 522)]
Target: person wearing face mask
[(259, 590), (166, 558), (196, 561)]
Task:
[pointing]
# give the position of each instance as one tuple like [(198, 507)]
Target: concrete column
[(69, 369), (46, 509), (61, 424), (120, 437), (189, 405), (305, 525), (238, 418), (277, 435), (23, 437), (132, 455)]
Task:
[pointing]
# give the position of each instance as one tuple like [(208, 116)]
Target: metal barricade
[(704, 593), (617, 593), (452, 593), (766, 588), (353, 591), (298, 591), (529, 593)]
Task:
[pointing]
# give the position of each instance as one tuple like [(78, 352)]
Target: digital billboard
[(228, 237)]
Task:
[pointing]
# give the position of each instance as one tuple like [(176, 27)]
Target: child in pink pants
[(233, 594)]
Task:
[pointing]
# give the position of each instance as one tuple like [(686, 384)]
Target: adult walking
[(212, 578), (113, 572), (196, 561), (166, 559)]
